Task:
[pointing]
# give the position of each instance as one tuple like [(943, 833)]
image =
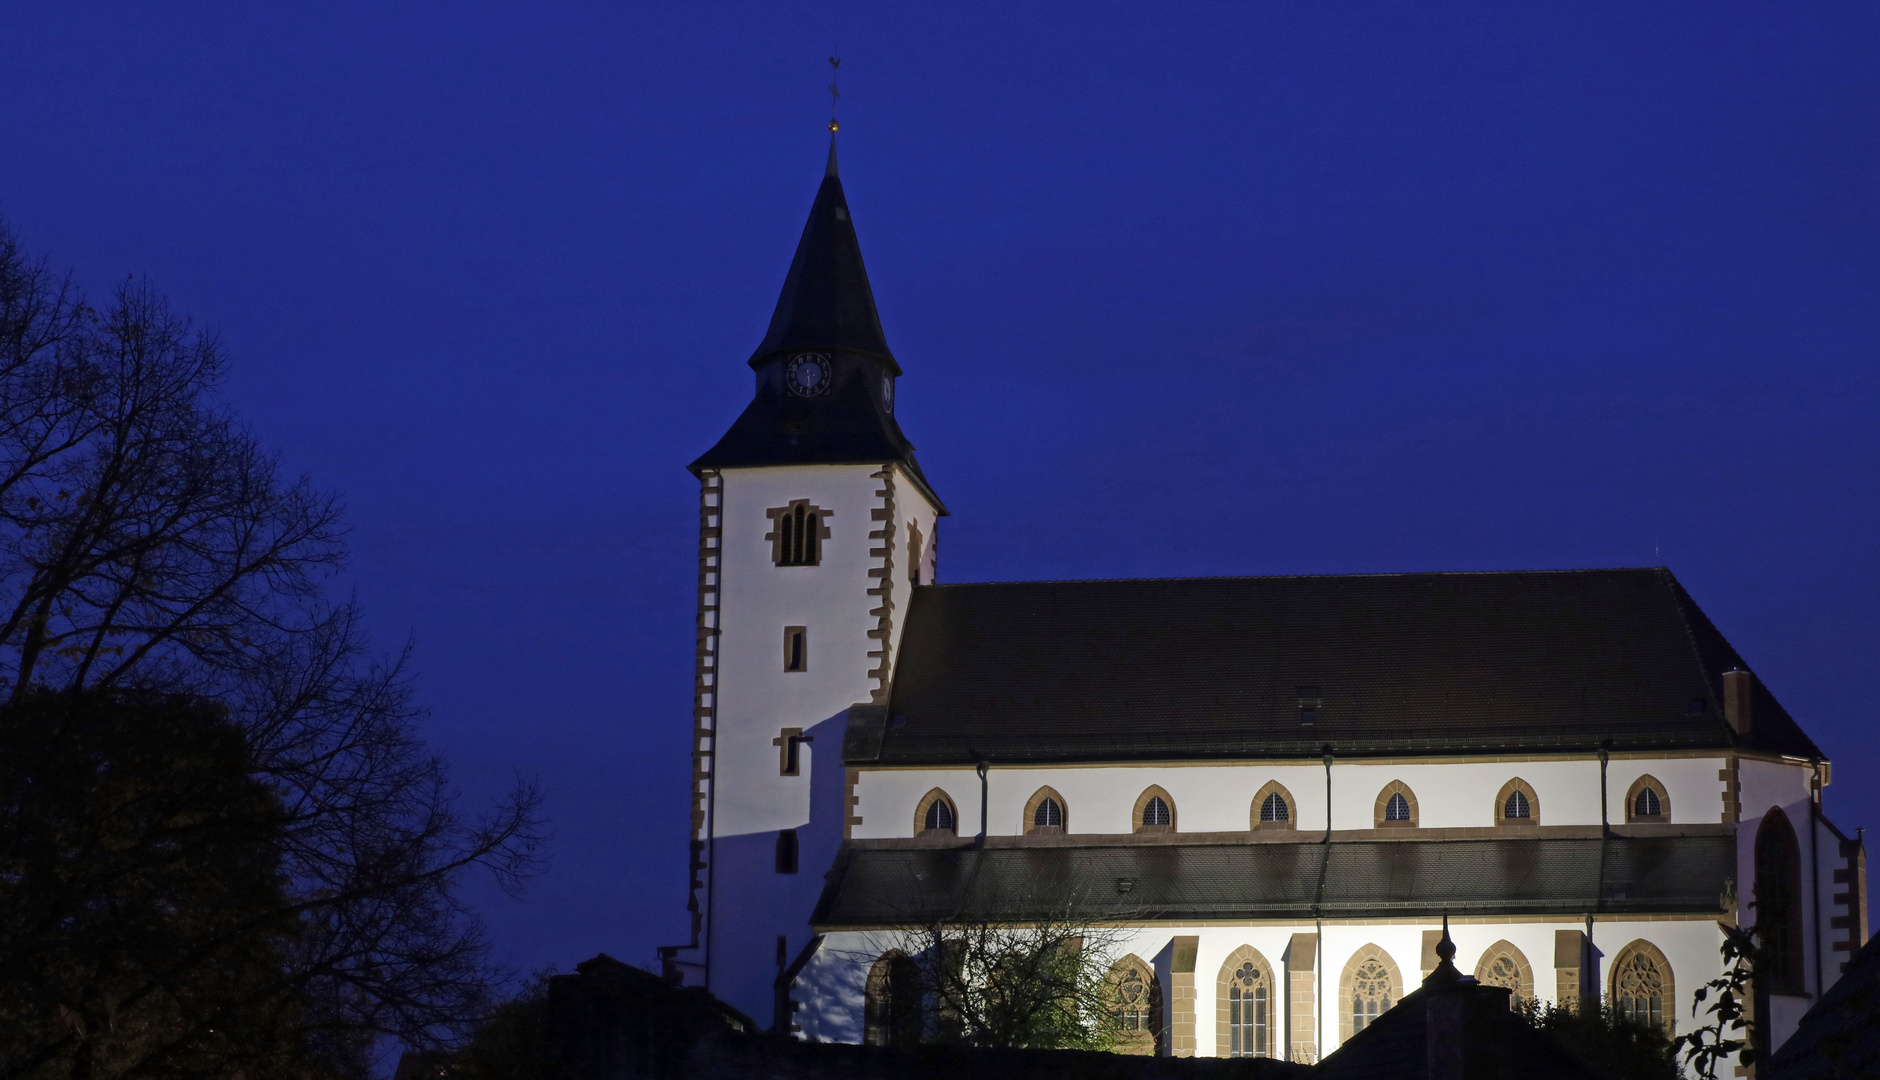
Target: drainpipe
[(983, 767), (1605, 811), (1589, 979), (1814, 869), (1328, 793)]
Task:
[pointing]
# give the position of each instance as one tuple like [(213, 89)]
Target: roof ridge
[(1560, 571)]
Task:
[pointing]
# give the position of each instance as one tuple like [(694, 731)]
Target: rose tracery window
[(1370, 994), (1248, 1029), (1641, 990), (1132, 1001)]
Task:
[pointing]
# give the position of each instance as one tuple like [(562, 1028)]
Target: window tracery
[(1642, 988), (1247, 1005), (1371, 985), (1504, 965)]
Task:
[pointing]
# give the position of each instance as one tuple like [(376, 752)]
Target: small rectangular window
[(795, 648), (789, 744), (786, 851)]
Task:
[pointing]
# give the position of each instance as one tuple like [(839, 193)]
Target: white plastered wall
[(750, 904), (1764, 786), (1219, 798), (832, 988)]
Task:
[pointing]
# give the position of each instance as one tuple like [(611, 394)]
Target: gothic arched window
[(1646, 801), (1155, 811), (1045, 812), (1642, 987), (1370, 987), (1778, 893), (1049, 815), (892, 1010), (796, 533), (936, 813), (1505, 965), (1396, 806), (1273, 807), (1516, 804), (1247, 1017), (1137, 998)]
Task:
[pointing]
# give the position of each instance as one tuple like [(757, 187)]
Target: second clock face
[(887, 392), (808, 374)]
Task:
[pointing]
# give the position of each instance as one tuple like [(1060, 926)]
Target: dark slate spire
[(825, 377), (826, 302)]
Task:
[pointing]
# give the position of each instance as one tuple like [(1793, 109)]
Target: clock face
[(808, 374), (887, 392)]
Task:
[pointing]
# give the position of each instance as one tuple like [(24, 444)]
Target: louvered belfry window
[(798, 531)]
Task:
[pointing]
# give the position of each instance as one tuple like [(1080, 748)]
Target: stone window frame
[(776, 533), (926, 802), (1369, 950), (786, 767), (1788, 966), (1148, 1041), (1395, 787), (1647, 780), (1273, 787), (1153, 791), (1524, 971), (1275, 1030), (1501, 804), (801, 657), (1031, 813), (1640, 946)]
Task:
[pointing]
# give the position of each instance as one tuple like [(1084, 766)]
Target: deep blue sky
[(1236, 289)]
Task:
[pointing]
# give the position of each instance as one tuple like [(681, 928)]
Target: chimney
[(1739, 689)]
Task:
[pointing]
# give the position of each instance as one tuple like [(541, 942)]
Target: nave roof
[(1215, 668)]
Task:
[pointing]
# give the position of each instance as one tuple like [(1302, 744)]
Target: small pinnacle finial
[(1446, 949)]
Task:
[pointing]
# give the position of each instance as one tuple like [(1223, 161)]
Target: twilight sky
[(1179, 289)]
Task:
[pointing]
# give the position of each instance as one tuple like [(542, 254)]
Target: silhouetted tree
[(147, 542)]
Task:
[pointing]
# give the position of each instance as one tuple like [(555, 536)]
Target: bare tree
[(148, 542), (1045, 982)]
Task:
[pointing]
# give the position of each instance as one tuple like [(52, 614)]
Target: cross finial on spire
[(835, 72)]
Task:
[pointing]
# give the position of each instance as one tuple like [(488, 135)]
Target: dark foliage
[(148, 543), (1608, 1040), (143, 923)]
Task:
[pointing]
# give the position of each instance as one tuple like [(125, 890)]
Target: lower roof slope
[(1669, 874), (1197, 668)]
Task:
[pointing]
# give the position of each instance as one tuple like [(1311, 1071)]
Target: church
[(1276, 787)]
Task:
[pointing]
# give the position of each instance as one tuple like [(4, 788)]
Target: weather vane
[(835, 73)]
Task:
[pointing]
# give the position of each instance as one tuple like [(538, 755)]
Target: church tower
[(815, 524)]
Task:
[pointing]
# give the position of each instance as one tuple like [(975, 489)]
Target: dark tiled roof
[(826, 307), (826, 301), (1839, 1039), (1672, 874), (1403, 663), (1459, 1023)]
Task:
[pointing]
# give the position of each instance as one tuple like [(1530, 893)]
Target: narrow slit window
[(789, 743), (786, 851), (796, 648)]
